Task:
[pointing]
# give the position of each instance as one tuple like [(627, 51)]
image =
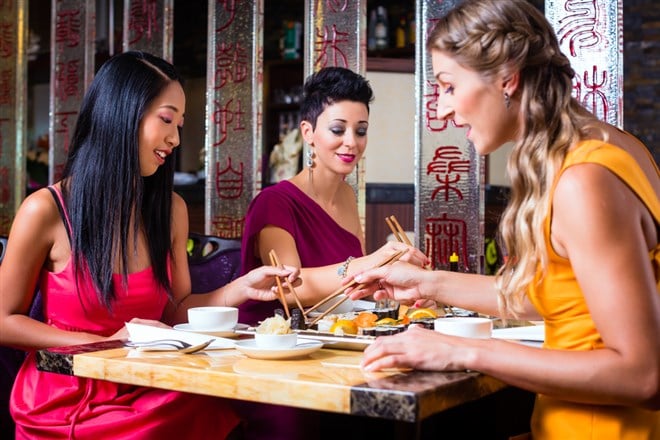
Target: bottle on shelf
[(400, 33), (381, 31)]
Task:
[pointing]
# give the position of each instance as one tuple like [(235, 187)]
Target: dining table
[(327, 380)]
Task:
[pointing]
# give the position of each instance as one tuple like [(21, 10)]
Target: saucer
[(221, 333), (304, 347)]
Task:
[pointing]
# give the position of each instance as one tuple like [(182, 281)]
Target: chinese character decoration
[(72, 68), (590, 34), (336, 36), (449, 202), (234, 99), (148, 26), (13, 108)]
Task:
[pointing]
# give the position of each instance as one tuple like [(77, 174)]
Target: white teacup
[(266, 340), (468, 327), (213, 318)]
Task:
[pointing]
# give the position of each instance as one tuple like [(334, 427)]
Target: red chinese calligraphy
[(225, 8), (2, 121), (6, 87), (5, 185), (224, 117), (335, 5), (595, 99), (7, 39), (228, 227), (448, 165), (328, 47), (228, 181), (431, 99), (67, 79), (444, 235), (63, 128), (68, 25), (231, 64), (143, 20), (579, 25)]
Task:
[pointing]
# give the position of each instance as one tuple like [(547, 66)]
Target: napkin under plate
[(145, 333)]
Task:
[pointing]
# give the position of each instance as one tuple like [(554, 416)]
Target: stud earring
[(507, 100)]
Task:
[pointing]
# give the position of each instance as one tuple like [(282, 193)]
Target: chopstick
[(397, 230), (402, 237), (391, 259), (280, 289), (276, 262)]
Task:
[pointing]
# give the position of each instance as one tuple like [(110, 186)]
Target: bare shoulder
[(39, 207)]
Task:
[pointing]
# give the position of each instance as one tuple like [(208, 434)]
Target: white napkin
[(526, 333), (145, 333)]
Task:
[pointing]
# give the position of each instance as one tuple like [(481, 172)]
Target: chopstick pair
[(397, 230), (391, 259), (402, 237), (274, 261)]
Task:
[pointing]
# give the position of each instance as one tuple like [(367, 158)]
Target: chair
[(11, 359), (213, 261)]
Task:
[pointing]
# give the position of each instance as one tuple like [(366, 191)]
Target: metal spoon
[(162, 344)]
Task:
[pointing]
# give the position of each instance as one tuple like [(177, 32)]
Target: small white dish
[(213, 317), (221, 333), (249, 348), (467, 327), (266, 340)]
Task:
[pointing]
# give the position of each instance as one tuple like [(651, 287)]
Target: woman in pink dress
[(107, 245)]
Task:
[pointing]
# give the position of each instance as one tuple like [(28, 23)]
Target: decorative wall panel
[(13, 108), (234, 84)]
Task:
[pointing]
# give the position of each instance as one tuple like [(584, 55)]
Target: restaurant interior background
[(390, 70)]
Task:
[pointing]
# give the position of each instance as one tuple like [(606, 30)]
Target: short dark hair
[(101, 181), (330, 85)]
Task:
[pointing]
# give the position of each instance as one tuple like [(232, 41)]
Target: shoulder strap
[(60, 207)]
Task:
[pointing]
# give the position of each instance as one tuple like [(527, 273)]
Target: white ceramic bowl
[(213, 318), (468, 327), (345, 307), (263, 340)]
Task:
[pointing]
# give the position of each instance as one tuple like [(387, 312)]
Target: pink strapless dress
[(50, 405)]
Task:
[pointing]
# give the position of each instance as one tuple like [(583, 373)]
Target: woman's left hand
[(416, 348)]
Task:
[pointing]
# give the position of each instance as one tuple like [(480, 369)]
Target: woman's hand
[(411, 254), (400, 281), (416, 348), (259, 284)]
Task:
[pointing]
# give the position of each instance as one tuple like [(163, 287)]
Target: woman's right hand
[(412, 255), (401, 281)]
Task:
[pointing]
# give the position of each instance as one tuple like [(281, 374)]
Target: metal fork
[(176, 344)]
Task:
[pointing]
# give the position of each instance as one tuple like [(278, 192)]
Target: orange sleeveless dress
[(569, 326)]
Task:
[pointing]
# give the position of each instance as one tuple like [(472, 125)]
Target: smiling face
[(468, 99), (159, 128), (340, 136)]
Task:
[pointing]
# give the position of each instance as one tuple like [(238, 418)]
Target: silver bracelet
[(342, 270)]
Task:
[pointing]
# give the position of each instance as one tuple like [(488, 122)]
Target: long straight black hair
[(101, 183)]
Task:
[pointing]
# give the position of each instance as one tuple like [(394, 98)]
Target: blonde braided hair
[(498, 38)]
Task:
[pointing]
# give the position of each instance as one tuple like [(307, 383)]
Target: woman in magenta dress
[(311, 220), (107, 245)]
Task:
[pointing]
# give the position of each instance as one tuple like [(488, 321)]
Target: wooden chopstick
[(401, 236), (280, 289), (391, 259), (276, 262), (397, 230)]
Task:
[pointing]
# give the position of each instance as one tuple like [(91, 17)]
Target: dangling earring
[(310, 158), (507, 100)]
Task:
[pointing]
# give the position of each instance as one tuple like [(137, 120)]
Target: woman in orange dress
[(581, 231)]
